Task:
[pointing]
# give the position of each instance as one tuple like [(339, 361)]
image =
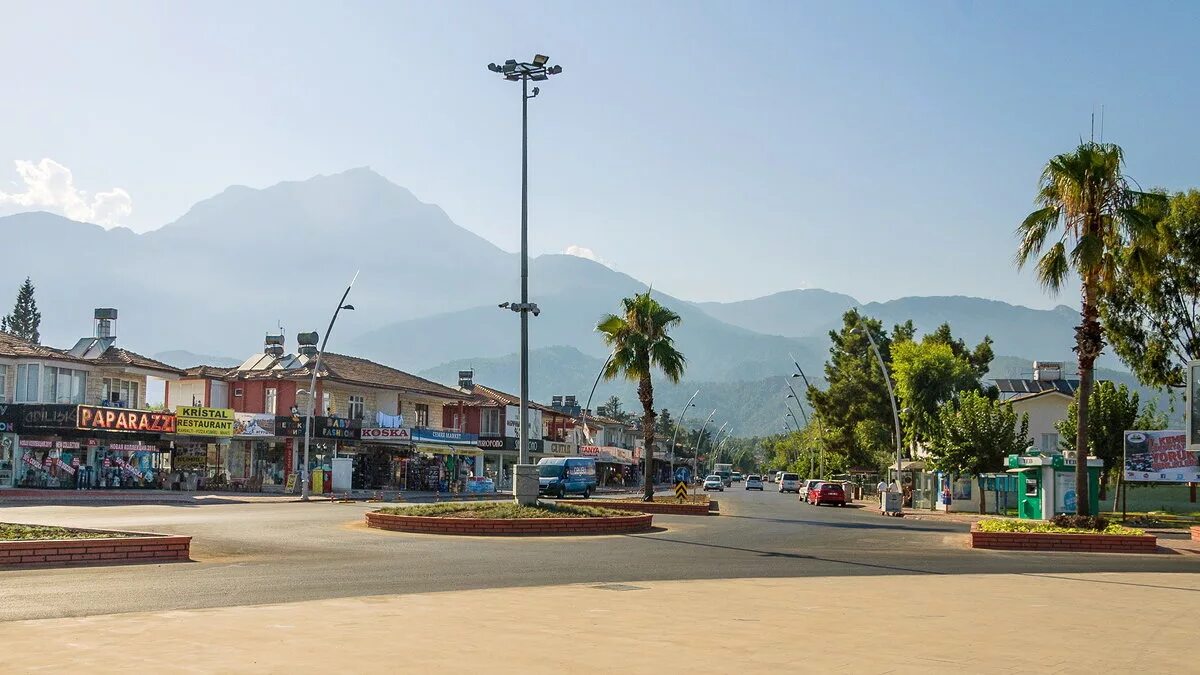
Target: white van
[(789, 482)]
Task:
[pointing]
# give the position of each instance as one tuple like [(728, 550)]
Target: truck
[(725, 471)]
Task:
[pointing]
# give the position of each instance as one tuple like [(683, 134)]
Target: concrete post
[(525, 484)]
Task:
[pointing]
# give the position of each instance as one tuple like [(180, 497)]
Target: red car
[(826, 493)]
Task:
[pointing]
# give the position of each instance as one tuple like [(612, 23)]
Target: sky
[(719, 151)]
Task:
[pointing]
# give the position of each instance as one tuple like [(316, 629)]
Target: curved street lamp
[(679, 423), (312, 388), (887, 379)]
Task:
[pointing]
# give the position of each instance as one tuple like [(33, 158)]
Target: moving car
[(560, 476), (754, 483), (806, 487), (789, 482), (827, 493), (714, 482), (736, 477)]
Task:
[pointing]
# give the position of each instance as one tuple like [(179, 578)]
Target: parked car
[(789, 482), (714, 482), (827, 493), (807, 487), (754, 483), (560, 476)]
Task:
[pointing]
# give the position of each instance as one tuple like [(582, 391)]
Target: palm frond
[(1033, 232), (1053, 267)]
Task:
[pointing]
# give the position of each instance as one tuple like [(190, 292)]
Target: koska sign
[(387, 435), (123, 419), (204, 421)]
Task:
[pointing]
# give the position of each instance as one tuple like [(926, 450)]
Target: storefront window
[(268, 462)]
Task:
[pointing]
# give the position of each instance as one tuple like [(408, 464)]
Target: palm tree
[(640, 343), (1089, 212)]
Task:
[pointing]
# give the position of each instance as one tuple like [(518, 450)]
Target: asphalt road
[(281, 552)]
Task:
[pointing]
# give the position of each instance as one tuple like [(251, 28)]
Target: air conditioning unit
[(237, 392), (1071, 454)]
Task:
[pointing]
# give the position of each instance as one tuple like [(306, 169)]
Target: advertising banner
[(198, 421), (1160, 456), (512, 422), (125, 419), (387, 435), (253, 424)]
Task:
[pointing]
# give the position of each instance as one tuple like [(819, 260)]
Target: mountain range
[(247, 262)]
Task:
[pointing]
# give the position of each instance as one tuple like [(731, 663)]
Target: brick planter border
[(144, 547), (1195, 532), (668, 506), (1078, 543), (492, 527)]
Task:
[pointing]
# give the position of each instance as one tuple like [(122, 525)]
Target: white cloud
[(50, 186), (585, 252)]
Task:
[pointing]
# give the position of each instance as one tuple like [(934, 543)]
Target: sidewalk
[(37, 496), (918, 624)]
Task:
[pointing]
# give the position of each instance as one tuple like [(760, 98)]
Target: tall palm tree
[(639, 340), (1088, 212)]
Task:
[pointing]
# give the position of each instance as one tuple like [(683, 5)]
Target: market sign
[(1160, 456), (197, 421), (253, 424), (387, 435), (446, 436), (125, 420)]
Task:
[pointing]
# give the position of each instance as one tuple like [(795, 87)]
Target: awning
[(1022, 469), (609, 459), (439, 449)]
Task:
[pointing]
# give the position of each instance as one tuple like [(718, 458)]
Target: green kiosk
[(1046, 485)]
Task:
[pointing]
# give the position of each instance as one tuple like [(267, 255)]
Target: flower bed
[(508, 519), (22, 545), (1019, 535), (663, 505)]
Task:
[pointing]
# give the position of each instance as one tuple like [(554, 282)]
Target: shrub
[(1071, 521), (1037, 526), (503, 510)]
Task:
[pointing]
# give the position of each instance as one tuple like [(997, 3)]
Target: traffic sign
[(681, 490)]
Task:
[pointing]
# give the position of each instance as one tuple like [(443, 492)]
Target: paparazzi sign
[(1160, 456)]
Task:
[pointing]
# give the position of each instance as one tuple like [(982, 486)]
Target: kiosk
[(1046, 483)]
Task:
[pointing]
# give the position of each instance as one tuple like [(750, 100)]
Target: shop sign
[(34, 443), (387, 435), (253, 424), (535, 444), (46, 416), (560, 448), (130, 447), (197, 421), (323, 427), (491, 443), (589, 451), (8, 427), (125, 419), (447, 436), (1160, 456)]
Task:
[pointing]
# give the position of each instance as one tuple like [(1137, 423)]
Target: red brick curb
[(145, 548), (501, 527), (1195, 532), (664, 507), (1079, 543)]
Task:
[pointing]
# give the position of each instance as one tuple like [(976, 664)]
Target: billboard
[(1160, 456), (511, 423)]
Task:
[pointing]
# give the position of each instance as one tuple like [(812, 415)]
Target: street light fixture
[(700, 442), (524, 72), (887, 379), (678, 423), (312, 388)]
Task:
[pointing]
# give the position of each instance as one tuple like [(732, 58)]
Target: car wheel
[(587, 492), (562, 492)]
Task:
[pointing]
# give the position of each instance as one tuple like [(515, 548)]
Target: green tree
[(1114, 410), (1088, 215), (612, 408), (640, 340), (1153, 320), (855, 407), (25, 319), (928, 373), (975, 434)]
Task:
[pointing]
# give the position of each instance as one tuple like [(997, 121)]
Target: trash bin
[(889, 502)]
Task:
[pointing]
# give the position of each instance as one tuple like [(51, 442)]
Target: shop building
[(77, 418)]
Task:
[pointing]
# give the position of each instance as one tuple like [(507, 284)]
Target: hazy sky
[(718, 150)]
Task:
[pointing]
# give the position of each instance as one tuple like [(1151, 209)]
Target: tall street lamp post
[(887, 379), (513, 71), (312, 388), (699, 442), (679, 423)]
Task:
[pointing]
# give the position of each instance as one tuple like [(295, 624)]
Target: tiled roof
[(486, 396), (123, 357), (13, 346), (1026, 397), (358, 371), (208, 371)]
